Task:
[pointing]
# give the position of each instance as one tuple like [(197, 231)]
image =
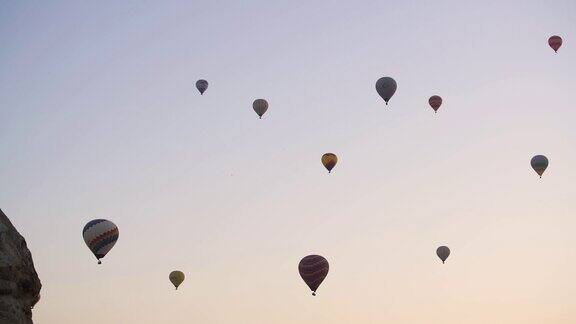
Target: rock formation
[(19, 283)]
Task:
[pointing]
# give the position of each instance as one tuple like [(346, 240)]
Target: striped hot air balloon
[(100, 235), (201, 85), (313, 269)]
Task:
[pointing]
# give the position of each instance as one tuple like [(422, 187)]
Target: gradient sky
[(100, 119)]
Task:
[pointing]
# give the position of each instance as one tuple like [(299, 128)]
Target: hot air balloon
[(100, 235), (539, 164), (386, 87), (260, 106), (329, 161), (313, 269), (435, 102), (555, 42), (201, 85), (443, 253), (176, 277)]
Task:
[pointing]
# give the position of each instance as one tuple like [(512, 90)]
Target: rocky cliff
[(19, 283)]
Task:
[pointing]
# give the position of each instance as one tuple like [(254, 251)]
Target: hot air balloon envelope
[(313, 269), (435, 102), (386, 87), (555, 42), (176, 277), (539, 163), (100, 236), (260, 106), (201, 85), (443, 253), (329, 161)]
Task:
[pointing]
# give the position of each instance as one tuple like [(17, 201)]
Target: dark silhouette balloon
[(329, 161), (443, 253), (555, 42), (435, 102), (176, 278), (201, 85), (260, 106), (100, 235), (386, 87), (539, 163), (313, 269)]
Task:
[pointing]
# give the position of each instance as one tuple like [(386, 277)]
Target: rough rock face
[(19, 283)]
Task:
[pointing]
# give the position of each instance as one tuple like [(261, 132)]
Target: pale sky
[(101, 119)]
